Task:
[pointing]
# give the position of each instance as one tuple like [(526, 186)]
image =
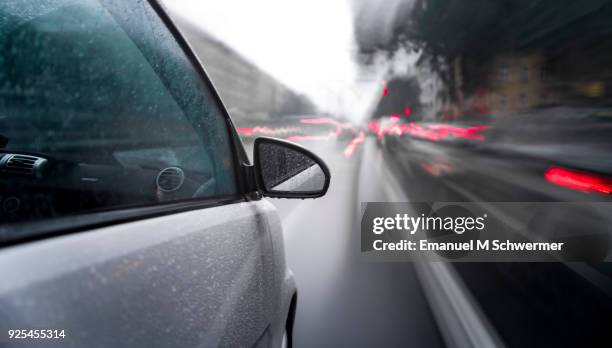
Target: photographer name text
[(495, 245)]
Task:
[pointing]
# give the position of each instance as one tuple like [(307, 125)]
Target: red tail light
[(579, 181)]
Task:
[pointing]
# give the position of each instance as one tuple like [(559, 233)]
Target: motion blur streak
[(433, 132), (322, 120), (579, 181), (249, 131), (514, 107), (327, 120), (438, 168), (373, 126), (458, 132), (298, 138), (352, 146)]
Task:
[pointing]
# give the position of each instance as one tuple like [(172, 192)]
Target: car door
[(123, 213)]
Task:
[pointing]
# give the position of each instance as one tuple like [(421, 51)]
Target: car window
[(101, 109)]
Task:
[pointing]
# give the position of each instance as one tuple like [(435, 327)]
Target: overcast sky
[(306, 44)]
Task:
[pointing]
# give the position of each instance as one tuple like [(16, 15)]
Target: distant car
[(130, 214), (348, 132), (384, 127)]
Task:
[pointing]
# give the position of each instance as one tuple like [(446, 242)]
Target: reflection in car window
[(99, 108)]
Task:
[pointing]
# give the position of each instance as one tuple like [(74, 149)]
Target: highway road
[(344, 300)]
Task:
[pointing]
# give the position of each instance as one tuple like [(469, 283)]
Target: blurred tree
[(478, 30)]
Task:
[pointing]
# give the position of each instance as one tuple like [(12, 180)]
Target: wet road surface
[(342, 299)]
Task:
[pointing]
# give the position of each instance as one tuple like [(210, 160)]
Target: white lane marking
[(460, 318)]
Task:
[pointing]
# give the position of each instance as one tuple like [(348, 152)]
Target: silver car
[(130, 214)]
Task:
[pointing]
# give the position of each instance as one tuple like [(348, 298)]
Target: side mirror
[(287, 170)]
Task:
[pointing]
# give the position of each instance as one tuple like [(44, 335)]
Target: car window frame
[(239, 157), (81, 222)]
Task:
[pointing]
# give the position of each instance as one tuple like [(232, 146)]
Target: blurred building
[(508, 58), (249, 93), (561, 57), (515, 84)]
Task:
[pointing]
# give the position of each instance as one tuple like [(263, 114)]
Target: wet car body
[(131, 214)]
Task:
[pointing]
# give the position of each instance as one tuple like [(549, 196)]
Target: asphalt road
[(564, 304), (344, 301)]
